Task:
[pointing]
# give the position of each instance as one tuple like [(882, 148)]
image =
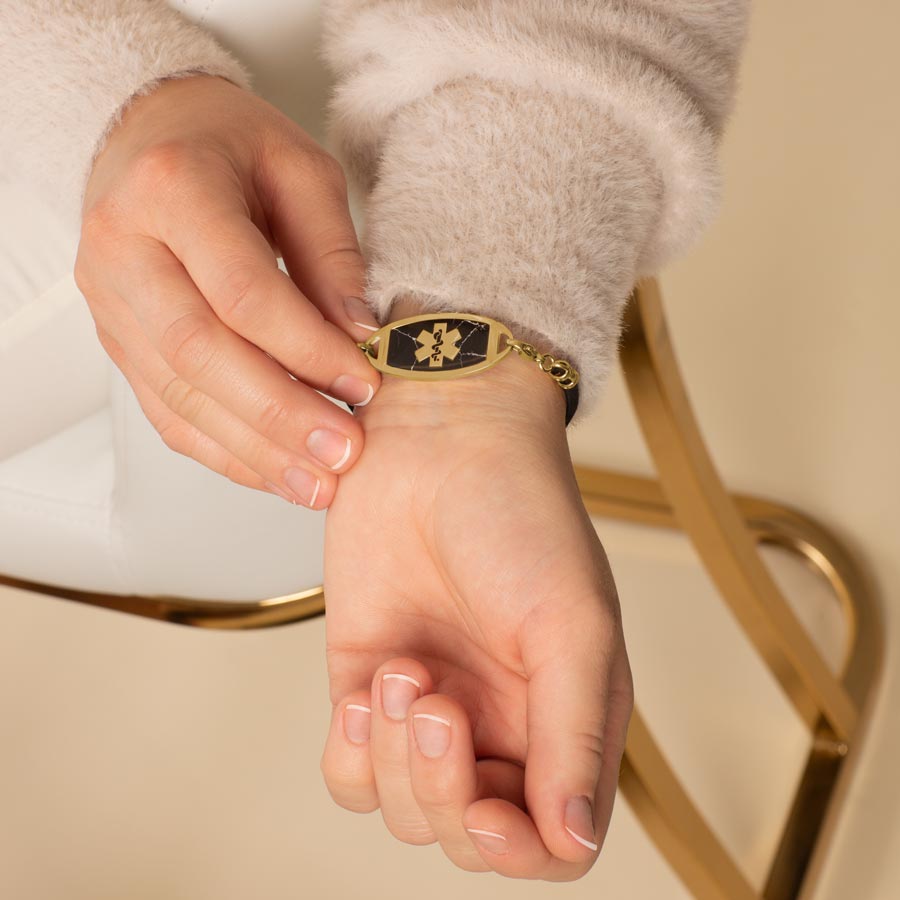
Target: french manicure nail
[(397, 694), (283, 494), (579, 821), (360, 314), (489, 840), (357, 720), (329, 447), (304, 484), (432, 734), (352, 390)]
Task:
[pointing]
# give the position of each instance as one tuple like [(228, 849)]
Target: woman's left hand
[(479, 678)]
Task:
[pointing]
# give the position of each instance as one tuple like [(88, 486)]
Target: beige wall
[(145, 761), (787, 320)]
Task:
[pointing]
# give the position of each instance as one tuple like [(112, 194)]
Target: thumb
[(579, 704), (309, 215)]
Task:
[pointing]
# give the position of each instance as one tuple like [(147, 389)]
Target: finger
[(502, 778), (443, 773), (208, 356), (236, 270), (308, 212), (396, 684), (181, 414), (346, 764), (620, 704), (567, 658), (178, 434), (509, 842)]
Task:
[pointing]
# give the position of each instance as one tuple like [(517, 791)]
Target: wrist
[(513, 388)]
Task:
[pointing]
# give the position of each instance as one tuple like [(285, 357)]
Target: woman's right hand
[(195, 194)]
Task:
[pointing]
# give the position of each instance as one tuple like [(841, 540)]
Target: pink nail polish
[(397, 694), (579, 821), (304, 484), (432, 734), (492, 841), (357, 721)]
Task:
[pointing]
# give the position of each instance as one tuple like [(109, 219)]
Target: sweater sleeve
[(69, 69), (531, 159)]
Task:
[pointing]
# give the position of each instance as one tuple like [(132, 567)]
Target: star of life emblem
[(438, 345)]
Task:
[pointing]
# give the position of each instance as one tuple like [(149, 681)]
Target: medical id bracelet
[(433, 346)]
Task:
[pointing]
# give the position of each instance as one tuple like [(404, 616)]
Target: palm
[(440, 549)]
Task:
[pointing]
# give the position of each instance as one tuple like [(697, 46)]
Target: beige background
[(146, 761)]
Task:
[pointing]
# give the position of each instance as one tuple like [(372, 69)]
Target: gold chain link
[(560, 370)]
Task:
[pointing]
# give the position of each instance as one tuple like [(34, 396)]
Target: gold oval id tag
[(437, 345)]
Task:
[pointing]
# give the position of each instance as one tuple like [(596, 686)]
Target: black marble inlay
[(446, 343)]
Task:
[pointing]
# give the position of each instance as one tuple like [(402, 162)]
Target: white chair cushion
[(104, 505)]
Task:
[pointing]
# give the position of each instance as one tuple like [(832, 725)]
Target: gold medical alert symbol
[(438, 345)]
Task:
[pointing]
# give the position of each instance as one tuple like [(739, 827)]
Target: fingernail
[(432, 734), (359, 314), (357, 719), (277, 490), (329, 447), (579, 820), (489, 840), (397, 693), (304, 484), (351, 390)]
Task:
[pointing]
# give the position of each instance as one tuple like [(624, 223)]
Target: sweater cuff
[(70, 72), (525, 205)]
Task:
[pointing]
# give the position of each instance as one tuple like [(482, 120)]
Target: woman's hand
[(479, 678), (192, 197)]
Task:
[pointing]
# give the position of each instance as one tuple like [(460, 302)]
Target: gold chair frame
[(725, 530)]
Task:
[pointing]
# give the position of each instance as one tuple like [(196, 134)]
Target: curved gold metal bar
[(705, 511), (725, 531), (220, 614), (675, 825), (641, 500)]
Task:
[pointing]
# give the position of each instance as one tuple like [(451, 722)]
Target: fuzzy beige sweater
[(526, 159)]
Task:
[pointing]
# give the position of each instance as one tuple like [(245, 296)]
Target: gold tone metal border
[(379, 343), (726, 529)]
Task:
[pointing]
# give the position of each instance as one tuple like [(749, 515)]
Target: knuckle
[(327, 169), (235, 472), (160, 164), (98, 222), (591, 742), (175, 437), (315, 357), (347, 792), (439, 800), (354, 804), (188, 344), (184, 400), (273, 416), (411, 831), (241, 283)]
